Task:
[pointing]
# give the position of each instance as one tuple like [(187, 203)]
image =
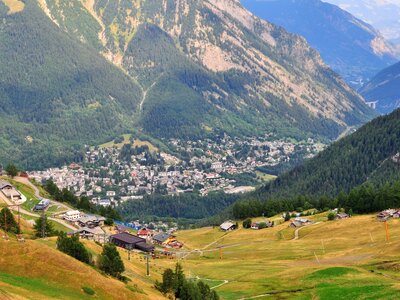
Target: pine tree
[(111, 262), (43, 227), (7, 221)]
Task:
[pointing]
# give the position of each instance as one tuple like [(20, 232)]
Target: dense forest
[(186, 206), (360, 200), (346, 164), (56, 94)]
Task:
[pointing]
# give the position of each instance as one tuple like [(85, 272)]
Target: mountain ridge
[(186, 69)]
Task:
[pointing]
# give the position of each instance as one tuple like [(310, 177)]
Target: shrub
[(331, 216), (88, 291), (247, 223)]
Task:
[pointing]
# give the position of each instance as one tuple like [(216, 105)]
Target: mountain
[(383, 15), (348, 45), (384, 89), (368, 155), (82, 72)]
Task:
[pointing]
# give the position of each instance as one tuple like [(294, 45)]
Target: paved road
[(29, 213)]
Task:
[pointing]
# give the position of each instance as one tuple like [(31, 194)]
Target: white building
[(72, 215)]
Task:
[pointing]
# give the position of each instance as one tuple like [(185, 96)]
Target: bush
[(331, 216), (247, 223), (88, 291), (262, 225), (73, 247)]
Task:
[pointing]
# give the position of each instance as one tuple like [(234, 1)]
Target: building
[(160, 238), (256, 225), (145, 233), (42, 205), (341, 216), (91, 221), (228, 226), (129, 241), (299, 222), (72, 215), (95, 233), (10, 191)]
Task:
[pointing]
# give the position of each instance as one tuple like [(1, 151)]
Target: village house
[(387, 214), (299, 222), (91, 221), (10, 191), (341, 216), (145, 233), (95, 234), (227, 226), (72, 215), (160, 238), (256, 225)]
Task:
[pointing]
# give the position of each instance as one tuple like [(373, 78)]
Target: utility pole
[(387, 231), (148, 266), (43, 225)]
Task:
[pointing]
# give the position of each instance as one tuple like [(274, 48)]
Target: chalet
[(91, 221), (160, 238), (227, 226), (385, 215), (129, 241), (42, 205), (72, 215), (145, 233), (10, 191), (341, 216), (299, 222), (90, 233), (256, 225)]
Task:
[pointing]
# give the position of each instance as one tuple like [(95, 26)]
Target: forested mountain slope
[(368, 155), (350, 46), (384, 89), (181, 69), (56, 93)]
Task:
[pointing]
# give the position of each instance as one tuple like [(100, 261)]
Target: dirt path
[(296, 233), (145, 91)]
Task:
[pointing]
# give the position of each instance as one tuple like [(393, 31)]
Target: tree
[(287, 216), (11, 170), (73, 247), (43, 227), (331, 216), (167, 286), (7, 221), (110, 261), (247, 223)]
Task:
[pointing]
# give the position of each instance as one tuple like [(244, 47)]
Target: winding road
[(37, 194)]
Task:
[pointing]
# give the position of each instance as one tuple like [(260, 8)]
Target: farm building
[(228, 226), (9, 191), (299, 222), (90, 233), (256, 225), (129, 241), (341, 216)]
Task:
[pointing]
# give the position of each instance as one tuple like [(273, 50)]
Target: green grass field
[(330, 260)]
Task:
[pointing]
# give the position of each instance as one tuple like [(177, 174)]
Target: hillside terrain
[(383, 15), (348, 45), (175, 69), (356, 159), (384, 89)]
